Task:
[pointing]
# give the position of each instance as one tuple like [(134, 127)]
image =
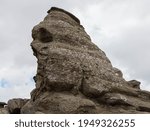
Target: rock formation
[(74, 75)]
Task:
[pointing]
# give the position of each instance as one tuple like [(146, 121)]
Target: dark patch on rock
[(2, 104)]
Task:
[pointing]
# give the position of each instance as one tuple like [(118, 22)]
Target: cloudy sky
[(119, 27)]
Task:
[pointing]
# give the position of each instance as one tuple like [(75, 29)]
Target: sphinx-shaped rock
[(74, 75)]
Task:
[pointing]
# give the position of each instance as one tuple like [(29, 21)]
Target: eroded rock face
[(74, 75)]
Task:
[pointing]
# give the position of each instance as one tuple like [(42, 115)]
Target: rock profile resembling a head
[(74, 75)]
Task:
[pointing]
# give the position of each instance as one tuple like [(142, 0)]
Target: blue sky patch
[(4, 83)]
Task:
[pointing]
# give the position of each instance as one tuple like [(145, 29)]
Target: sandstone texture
[(74, 75)]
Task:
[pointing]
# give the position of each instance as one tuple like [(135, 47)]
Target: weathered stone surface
[(51, 102), (15, 105), (74, 75)]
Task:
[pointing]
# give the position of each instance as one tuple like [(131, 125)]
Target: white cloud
[(19, 82), (15, 92)]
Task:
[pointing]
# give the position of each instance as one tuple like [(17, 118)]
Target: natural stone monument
[(74, 75)]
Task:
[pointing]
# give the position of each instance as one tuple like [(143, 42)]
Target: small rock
[(134, 84), (15, 105)]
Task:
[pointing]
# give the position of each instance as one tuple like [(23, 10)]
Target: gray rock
[(134, 84), (56, 103), (74, 75), (15, 105)]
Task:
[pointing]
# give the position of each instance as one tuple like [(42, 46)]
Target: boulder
[(15, 105)]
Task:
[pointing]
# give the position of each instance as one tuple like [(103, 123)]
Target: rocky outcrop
[(74, 75)]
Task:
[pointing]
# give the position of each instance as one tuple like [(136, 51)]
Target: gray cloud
[(120, 28)]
